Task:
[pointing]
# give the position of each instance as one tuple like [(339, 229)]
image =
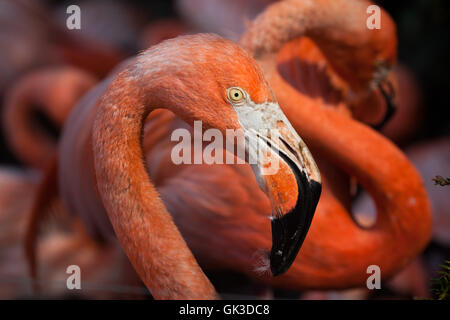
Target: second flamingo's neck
[(336, 26), (403, 225)]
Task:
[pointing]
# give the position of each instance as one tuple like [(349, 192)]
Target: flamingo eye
[(235, 95)]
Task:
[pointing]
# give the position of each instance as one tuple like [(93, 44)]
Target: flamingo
[(343, 247), (403, 226), (161, 257), (53, 91)]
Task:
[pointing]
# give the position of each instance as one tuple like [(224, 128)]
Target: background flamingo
[(52, 92)]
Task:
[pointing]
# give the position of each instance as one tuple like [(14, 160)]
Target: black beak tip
[(289, 231), (276, 269)]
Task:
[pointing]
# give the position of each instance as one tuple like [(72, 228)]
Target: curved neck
[(53, 92), (277, 25), (338, 27), (141, 221), (29, 141), (403, 226)]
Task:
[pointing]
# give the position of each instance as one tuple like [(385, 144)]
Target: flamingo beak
[(286, 171), (291, 220)]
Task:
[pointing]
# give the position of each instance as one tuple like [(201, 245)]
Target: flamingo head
[(368, 71)]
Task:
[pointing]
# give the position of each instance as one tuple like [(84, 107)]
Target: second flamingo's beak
[(287, 173), (387, 91)]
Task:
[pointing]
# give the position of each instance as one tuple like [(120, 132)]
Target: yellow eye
[(235, 95)]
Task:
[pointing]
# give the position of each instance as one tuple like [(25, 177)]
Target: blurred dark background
[(423, 28)]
